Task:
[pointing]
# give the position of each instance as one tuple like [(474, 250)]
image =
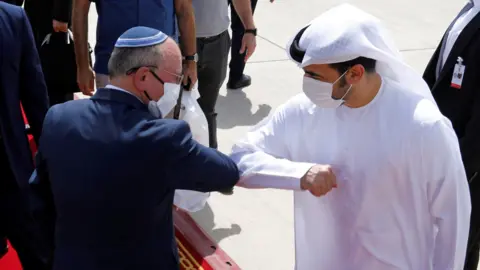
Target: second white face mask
[(320, 93), (169, 99)]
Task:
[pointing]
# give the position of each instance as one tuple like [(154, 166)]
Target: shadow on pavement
[(234, 109), (205, 218)]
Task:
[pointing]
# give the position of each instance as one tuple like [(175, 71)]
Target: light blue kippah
[(140, 36)]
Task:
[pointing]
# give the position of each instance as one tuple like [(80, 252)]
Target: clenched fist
[(319, 180)]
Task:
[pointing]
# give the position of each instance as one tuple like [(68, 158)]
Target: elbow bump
[(235, 174)]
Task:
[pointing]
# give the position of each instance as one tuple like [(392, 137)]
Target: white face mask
[(320, 93), (167, 102)]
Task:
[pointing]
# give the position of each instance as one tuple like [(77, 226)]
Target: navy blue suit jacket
[(21, 80), (113, 169)]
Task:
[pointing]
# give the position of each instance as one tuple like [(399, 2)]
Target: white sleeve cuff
[(285, 175)]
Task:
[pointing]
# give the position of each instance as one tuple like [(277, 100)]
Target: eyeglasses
[(178, 78)]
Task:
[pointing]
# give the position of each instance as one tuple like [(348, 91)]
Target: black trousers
[(212, 70), (41, 21), (17, 223), (237, 61), (40, 16), (473, 248)]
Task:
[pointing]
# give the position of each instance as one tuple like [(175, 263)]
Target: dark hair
[(367, 63)]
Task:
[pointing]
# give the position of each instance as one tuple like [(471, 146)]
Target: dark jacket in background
[(117, 16), (21, 81), (462, 107)]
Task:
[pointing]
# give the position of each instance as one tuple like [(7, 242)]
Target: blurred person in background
[(48, 16), (236, 78), (21, 82), (114, 18), (213, 45), (51, 20)]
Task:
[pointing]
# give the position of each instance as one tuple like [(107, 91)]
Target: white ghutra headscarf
[(344, 33)]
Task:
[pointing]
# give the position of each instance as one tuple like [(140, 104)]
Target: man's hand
[(85, 74), (60, 26), (249, 43), (319, 180), (189, 72), (244, 11), (86, 81), (188, 41)]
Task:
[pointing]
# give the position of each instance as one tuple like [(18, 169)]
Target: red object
[(196, 249), (10, 261), (31, 141), (204, 249)]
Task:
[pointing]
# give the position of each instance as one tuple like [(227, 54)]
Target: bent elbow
[(232, 174), (223, 175)]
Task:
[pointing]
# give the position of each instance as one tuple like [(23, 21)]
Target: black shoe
[(244, 81), (227, 191)]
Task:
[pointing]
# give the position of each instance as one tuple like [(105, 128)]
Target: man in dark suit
[(113, 164), (453, 76), (21, 81)]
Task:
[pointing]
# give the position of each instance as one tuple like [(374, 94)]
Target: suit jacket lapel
[(438, 67), (462, 42)]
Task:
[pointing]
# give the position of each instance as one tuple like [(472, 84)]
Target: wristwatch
[(193, 58), (251, 31)]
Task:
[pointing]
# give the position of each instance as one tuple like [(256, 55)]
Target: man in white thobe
[(368, 136)]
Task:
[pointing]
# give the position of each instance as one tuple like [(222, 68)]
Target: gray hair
[(124, 59)]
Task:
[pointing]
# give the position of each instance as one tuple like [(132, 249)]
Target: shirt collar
[(120, 96), (113, 87)]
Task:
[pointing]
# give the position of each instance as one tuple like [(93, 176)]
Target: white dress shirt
[(458, 27)]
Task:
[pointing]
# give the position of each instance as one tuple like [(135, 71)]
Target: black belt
[(212, 38)]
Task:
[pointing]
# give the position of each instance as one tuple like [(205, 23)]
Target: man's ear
[(355, 74), (141, 75), (139, 79)]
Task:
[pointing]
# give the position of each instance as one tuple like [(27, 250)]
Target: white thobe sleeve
[(262, 156), (448, 193)]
